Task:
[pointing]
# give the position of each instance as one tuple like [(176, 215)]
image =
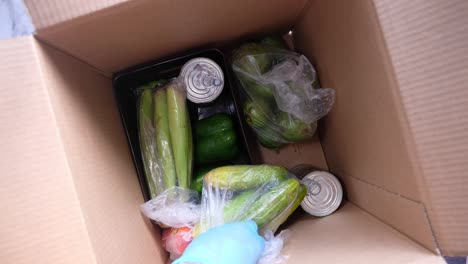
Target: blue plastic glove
[(232, 243)]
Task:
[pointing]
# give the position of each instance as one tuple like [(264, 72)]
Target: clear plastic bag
[(167, 152), (175, 207), (265, 194), (273, 247), (282, 104), (165, 136)]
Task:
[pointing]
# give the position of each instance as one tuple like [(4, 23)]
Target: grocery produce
[(292, 128), (262, 92), (253, 58), (215, 139), (213, 125), (165, 136), (268, 137), (162, 138), (301, 194), (263, 193), (197, 180), (254, 114), (176, 240), (179, 125), (241, 202), (239, 177), (264, 207), (275, 42), (274, 202), (145, 122), (190, 154), (282, 104)]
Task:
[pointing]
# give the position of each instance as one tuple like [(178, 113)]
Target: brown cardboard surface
[(99, 161), (309, 152), (428, 44), (394, 137), (46, 13), (138, 31), (408, 216), (41, 219), (352, 236), (365, 136)]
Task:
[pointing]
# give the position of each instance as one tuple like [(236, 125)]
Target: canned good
[(204, 80), (324, 191)]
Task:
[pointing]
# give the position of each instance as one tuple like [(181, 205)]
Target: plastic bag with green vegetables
[(263, 193), (283, 103), (166, 147)]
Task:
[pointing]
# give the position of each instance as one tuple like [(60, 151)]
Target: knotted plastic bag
[(282, 103), (263, 193)]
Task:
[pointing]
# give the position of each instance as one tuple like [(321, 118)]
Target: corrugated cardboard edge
[(47, 13), (89, 127), (364, 133), (448, 214), (352, 236), (400, 206), (198, 23), (397, 211), (428, 47), (39, 202)]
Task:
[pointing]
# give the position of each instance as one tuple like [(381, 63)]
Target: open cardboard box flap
[(395, 137)]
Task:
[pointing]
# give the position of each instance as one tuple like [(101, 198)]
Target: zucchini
[(273, 203), (239, 177)]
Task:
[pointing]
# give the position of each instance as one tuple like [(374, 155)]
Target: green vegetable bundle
[(165, 136), (282, 104), (265, 194)]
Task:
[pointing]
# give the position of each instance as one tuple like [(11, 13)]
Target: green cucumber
[(300, 194), (240, 177), (235, 209), (197, 180), (273, 203)]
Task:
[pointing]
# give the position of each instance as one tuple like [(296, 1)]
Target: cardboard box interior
[(68, 175)]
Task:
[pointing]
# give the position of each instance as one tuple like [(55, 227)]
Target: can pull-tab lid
[(206, 77), (313, 186), (204, 80), (324, 193)]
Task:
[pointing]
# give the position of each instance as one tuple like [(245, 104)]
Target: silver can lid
[(324, 193), (203, 79)]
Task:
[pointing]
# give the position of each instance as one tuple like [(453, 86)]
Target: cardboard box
[(397, 136)]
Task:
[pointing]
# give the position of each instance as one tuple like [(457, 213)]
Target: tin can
[(204, 80), (324, 191)]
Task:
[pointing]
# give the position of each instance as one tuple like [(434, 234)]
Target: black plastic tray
[(125, 83)]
